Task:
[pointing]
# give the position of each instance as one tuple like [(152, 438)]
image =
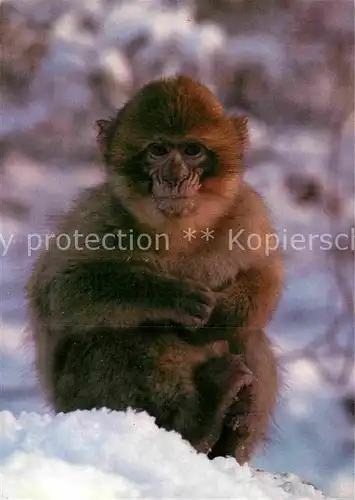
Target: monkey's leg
[(95, 369), (118, 368), (219, 382), (146, 368), (249, 418)]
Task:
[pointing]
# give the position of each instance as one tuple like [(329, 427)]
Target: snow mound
[(114, 455)]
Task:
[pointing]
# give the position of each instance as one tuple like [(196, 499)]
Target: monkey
[(176, 328)]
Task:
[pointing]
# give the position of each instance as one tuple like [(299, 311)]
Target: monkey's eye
[(194, 150), (157, 150)]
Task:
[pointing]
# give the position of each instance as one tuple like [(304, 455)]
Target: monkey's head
[(172, 149)]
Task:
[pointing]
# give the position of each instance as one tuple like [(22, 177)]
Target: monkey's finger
[(233, 422), (194, 286), (204, 298), (203, 446), (198, 314), (191, 322)]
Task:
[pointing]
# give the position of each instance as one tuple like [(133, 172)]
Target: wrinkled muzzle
[(176, 194)]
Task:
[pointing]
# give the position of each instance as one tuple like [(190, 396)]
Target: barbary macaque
[(174, 327)]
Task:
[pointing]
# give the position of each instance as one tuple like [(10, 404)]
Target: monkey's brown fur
[(172, 331)]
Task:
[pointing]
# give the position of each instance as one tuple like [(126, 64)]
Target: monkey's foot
[(245, 376), (236, 413), (236, 417), (233, 422), (236, 376), (226, 375), (204, 446)]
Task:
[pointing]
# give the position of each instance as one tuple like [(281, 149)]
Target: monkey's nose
[(176, 172)]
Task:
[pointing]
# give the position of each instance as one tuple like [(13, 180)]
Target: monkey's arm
[(250, 300), (124, 294)]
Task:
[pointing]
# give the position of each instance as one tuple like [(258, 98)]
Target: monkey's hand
[(194, 304)]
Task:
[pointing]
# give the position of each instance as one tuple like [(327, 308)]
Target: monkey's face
[(171, 150), (176, 170)]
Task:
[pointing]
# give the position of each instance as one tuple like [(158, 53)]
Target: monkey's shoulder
[(250, 210), (91, 211), (81, 233)]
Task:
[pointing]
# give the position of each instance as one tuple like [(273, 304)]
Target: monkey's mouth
[(178, 206)]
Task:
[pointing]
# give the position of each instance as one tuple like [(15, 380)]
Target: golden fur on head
[(174, 108)]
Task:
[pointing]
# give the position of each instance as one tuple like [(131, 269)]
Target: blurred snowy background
[(288, 65)]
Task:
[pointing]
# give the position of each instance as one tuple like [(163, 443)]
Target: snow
[(110, 455)]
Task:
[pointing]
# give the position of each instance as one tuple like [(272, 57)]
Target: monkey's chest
[(213, 271)]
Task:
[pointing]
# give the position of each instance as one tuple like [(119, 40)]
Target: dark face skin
[(176, 169), (173, 142)]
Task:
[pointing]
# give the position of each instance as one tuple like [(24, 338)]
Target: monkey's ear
[(103, 127), (241, 126)]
